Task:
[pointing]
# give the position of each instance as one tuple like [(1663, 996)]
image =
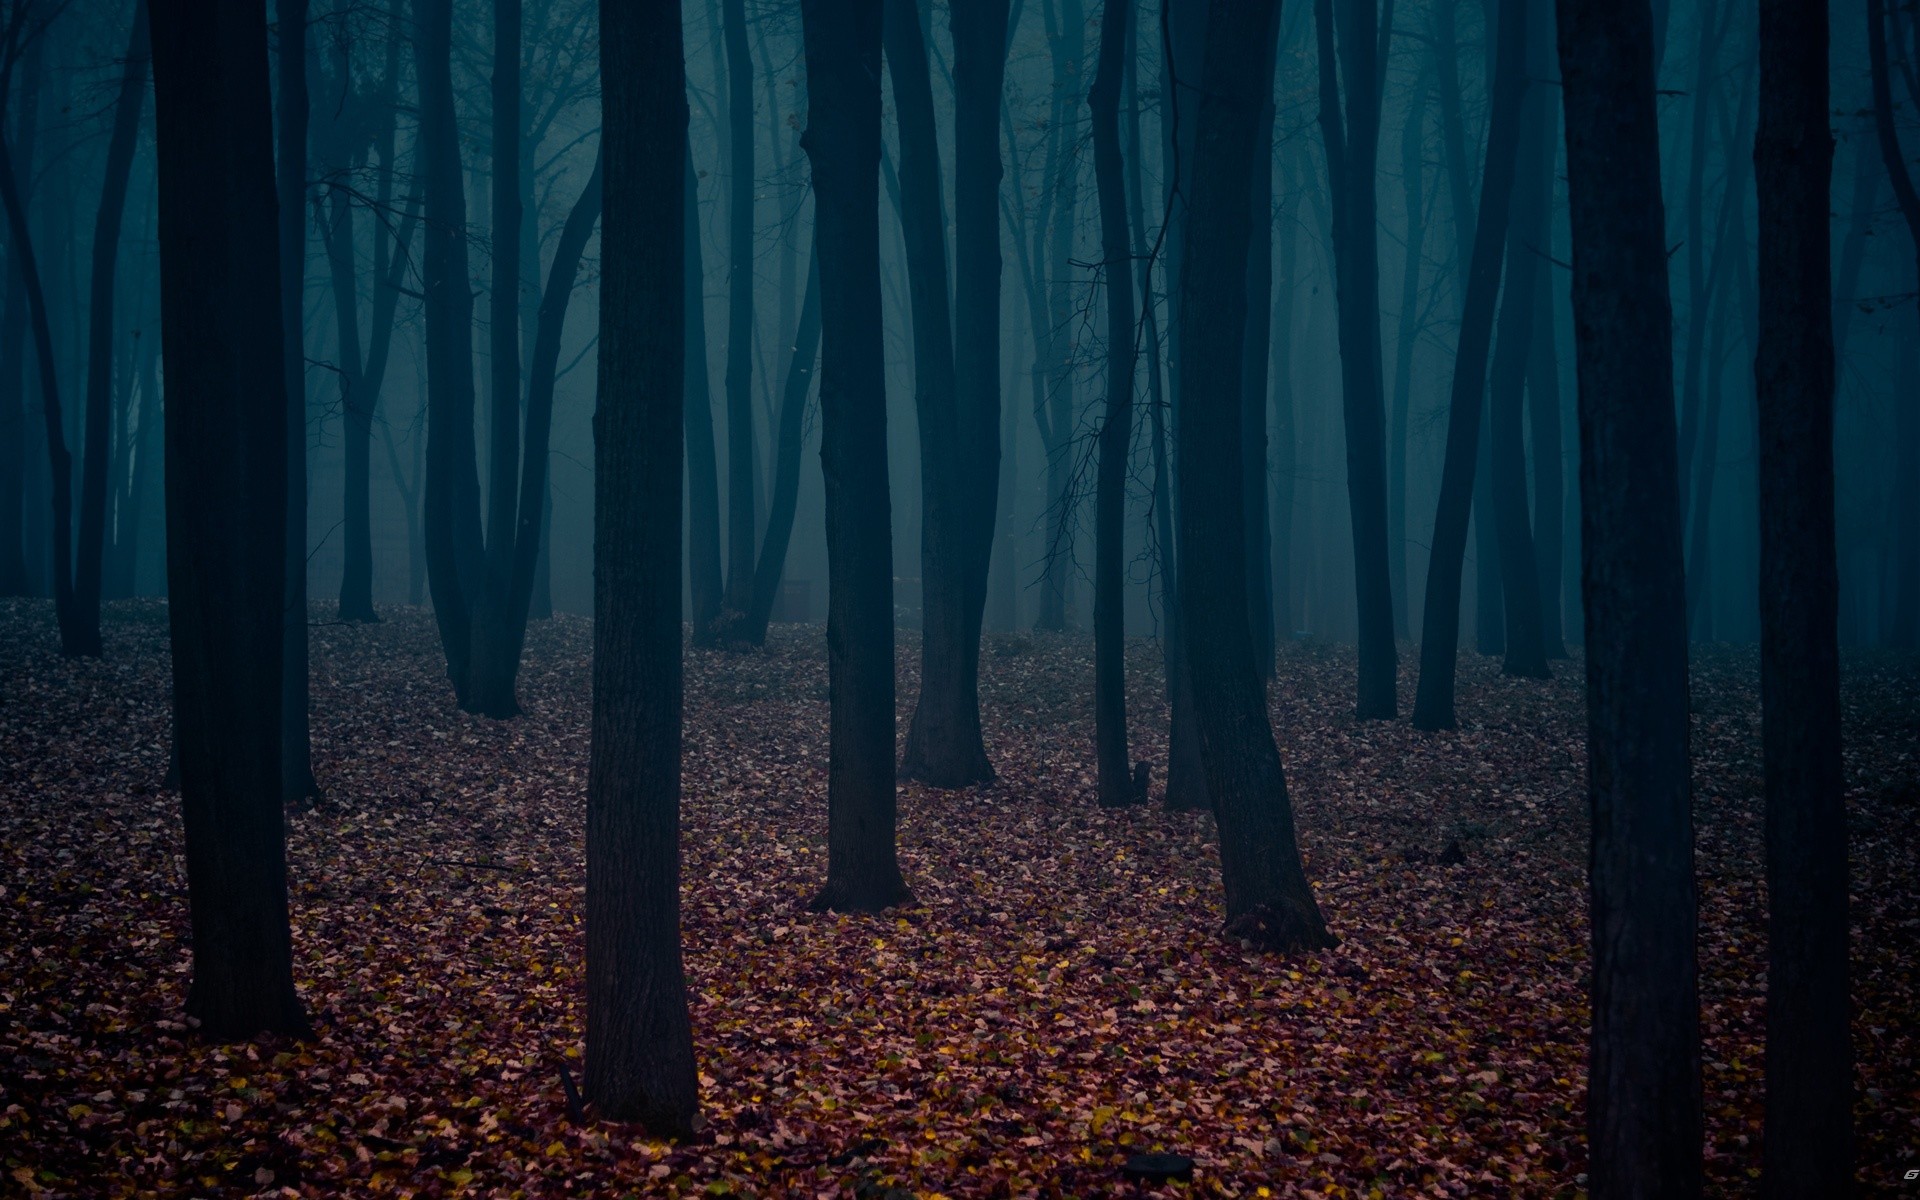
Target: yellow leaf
[(1100, 1118)]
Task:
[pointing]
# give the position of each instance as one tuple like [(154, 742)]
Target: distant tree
[(1809, 1065), (1355, 55), (23, 67), (1903, 621), (944, 746), (705, 583), (1643, 1097), (1440, 614), (1268, 898), (1053, 237), (226, 448), (1413, 181), (296, 759), (1116, 785), (639, 1063)]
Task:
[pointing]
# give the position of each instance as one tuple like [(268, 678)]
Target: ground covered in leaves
[(1058, 996)]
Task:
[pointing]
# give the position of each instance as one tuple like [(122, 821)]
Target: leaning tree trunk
[(121, 144), (1643, 1092), (944, 746), (1809, 1065), (1268, 898), (1352, 146), (226, 448), (1440, 614), (842, 142), (1116, 785), (639, 1064)]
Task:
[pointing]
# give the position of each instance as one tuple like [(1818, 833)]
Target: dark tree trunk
[(1286, 471), (944, 746), (1440, 614), (1054, 413), (1116, 430), (1543, 362), (17, 147), (980, 41), (1413, 180), (739, 379), (226, 448), (1643, 1098), (1523, 641), (98, 417), (1352, 143), (639, 1064), (1268, 899), (1809, 1066), (296, 763), (842, 142), (703, 467), (451, 502), (1713, 27), (1903, 619)]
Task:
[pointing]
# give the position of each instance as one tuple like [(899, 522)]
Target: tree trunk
[(739, 379), (842, 142), (1543, 368), (1440, 613), (1116, 787), (1054, 247), (1268, 898), (1413, 180), (451, 502), (226, 447), (121, 144), (1643, 1098), (639, 1064), (1809, 1066), (297, 782), (1352, 145), (1256, 354), (356, 576), (1904, 619), (944, 746), (703, 467)]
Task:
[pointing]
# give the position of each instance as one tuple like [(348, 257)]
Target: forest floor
[(1058, 996)]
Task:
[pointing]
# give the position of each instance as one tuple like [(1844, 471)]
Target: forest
[(889, 599)]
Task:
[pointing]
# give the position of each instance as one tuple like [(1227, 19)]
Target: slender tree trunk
[(842, 142), (1643, 1098), (1543, 367), (703, 468), (1067, 40), (1440, 614), (639, 1063), (121, 144), (1903, 620), (1116, 788), (297, 782), (1413, 180), (1257, 353), (450, 517), (356, 576), (785, 497), (1809, 1066), (1699, 281), (226, 447), (1352, 142), (944, 746), (739, 380), (1268, 898), (1286, 454)]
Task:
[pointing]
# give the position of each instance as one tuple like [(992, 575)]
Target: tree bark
[(1352, 145), (842, 142), (944, 746), (639, 1063), (226, 449), (1643, 1098), (297, 782), (1809, 1064), (1115, 777), (1268, 898), (1440, 614)]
